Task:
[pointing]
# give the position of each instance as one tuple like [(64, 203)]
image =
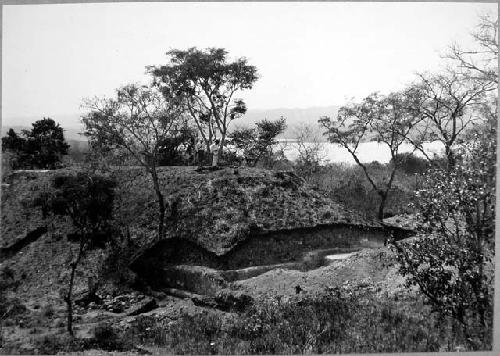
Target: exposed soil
[(285, 225)]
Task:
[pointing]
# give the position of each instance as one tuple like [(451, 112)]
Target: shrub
[(337, 321), (411, 164), (452, 264), (107, 338), (42, 147)]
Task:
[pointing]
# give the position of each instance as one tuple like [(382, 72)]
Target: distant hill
[(294, 117), (70, 133)]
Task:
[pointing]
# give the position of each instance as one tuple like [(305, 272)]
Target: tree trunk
[(161, 203), (69, 296), (383, 199), (221, 145), (450, 158), (68, 300)]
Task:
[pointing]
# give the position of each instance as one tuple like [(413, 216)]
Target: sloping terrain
[(214, 209), (218, 209)]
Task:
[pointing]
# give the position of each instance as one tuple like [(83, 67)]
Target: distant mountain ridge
[(294, 117)]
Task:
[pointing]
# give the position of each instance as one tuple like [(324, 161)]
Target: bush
[(453, 262), (55, 343), (338, 321), (42, 147), (348, 185), (107, 338), (411, 164)]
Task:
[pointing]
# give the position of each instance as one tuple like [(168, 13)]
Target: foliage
[(140, 121), (453, 263), (41, 148), (334, 321), (349, 186), (310, 150), (410, 163), (108, 338), (447, 103), (178, 149), (88, 202), (257, 143), (206, 82), (137, 120), (387, 119)]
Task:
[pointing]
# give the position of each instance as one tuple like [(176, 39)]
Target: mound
[(215, 209), (218, 209)]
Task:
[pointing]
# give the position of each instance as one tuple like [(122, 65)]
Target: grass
[(337, 321), (348, 185)]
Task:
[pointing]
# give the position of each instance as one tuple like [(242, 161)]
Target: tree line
[(193, 96), (435, 107)]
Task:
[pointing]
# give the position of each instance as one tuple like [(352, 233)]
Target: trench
[(184, 265), (29, 238)]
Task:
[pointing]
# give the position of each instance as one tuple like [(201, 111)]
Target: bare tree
[(385, 119), (310, 148), (138, 120), (448, 103), (481, 62)]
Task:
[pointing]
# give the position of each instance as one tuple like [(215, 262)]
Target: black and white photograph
[(248, 178)]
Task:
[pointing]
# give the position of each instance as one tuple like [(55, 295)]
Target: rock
[(233, 301), (145, 306)]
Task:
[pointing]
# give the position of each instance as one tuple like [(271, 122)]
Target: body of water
[(367, 152)]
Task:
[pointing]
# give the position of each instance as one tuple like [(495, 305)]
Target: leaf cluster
[(41, 147), (257, 142)]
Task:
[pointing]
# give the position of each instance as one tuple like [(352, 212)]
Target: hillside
[(215, 209)]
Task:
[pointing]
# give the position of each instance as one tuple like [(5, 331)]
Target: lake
[(367, 152)]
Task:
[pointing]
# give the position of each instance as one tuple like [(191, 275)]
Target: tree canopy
[(138, 120), (41, 147), (388, 119), (206, 82), (256, 143)]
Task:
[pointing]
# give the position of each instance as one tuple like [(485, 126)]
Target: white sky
[(308, 54)]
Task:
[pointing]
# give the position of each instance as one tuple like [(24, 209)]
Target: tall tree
[(207, 82), (138, 120), (385, 119)]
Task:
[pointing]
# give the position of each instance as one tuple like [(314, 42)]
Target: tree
[(174, 149), (257, 143), (309, 149), (452, 261), (12, 147), (479, 63), (41, 147), (88, 202), (389, 120), (138, 120), (206, 82), (448, 103)]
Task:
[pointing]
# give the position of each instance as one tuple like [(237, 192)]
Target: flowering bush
[(452, 261)]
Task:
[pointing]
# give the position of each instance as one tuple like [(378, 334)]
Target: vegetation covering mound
[(218, 209), (215, 209)]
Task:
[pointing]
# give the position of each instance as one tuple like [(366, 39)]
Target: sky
[(307, 54)]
